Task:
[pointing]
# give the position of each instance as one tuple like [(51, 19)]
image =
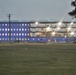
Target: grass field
[(38, 59)]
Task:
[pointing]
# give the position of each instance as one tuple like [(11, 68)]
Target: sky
[(35, 9)]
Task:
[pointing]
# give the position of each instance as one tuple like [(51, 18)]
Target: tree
[(73, 12)]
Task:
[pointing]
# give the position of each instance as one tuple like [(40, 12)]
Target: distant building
[(37, 32)]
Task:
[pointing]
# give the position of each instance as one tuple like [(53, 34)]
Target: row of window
[(13, 29), (7, 39), (14, 24), (14, 34)]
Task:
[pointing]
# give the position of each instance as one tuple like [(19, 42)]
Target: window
[(19, 24), (19, 34), (0, 29), (25, 24), (22, 24), (25, 34), (14, 34), (25, 39), (5, 29), (11, 34), (11, 38), (16, 38), (14, 29), (5, 34), (33, 39), (0, 38), (22, 39), (19, 38), (8, 29), (20, 29), (2, 34), (17, 29), (6, 39), (25, 29), (38, 39), (2, 24), (8, 34), (28, 24), (11, 29), (22, 34), (28, 29), (12, 25), (5, 24), (28, 34)]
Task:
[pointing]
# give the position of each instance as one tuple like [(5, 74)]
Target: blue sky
[(35, 9)]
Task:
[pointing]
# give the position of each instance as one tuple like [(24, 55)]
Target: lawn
[(37, 59)]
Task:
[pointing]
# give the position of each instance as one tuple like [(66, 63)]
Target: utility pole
[(9, 17)]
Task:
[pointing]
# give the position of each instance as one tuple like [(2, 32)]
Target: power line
[(2, 9)]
